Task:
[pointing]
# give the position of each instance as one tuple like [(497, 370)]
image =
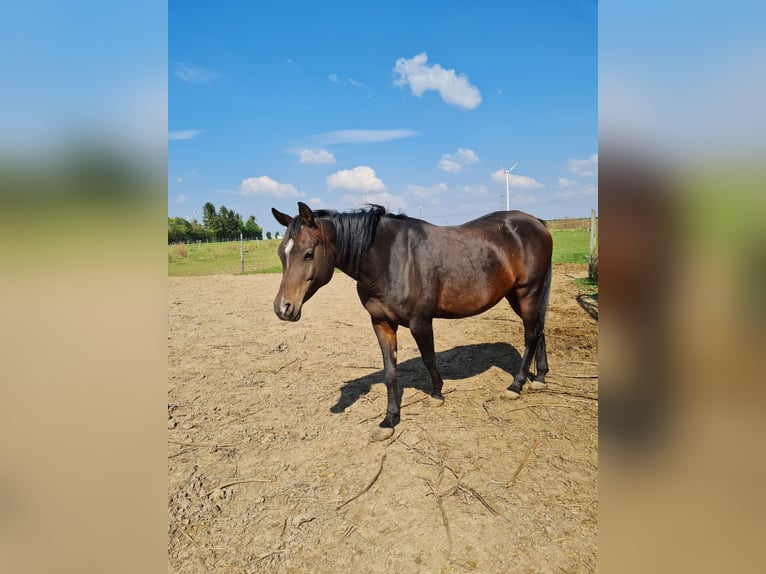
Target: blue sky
[(412, 105)]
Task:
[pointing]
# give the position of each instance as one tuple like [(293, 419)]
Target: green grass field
[(570, 246), (223, 258)]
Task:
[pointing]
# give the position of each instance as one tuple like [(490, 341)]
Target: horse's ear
[(282, 218), (306, 215)]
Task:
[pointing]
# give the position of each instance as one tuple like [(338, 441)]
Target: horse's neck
[(344, 253), (368, 269)]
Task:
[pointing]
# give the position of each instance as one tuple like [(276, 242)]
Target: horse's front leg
[(386, 333)]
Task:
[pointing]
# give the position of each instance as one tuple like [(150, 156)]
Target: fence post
[(241, 255), (593, 256)]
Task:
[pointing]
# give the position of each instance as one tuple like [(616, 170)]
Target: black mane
[(354, 232)]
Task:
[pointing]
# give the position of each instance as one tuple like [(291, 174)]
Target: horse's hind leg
[(541, 366), (423, 332), (527, 306)]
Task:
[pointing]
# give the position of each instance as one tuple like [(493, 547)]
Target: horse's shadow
[(459, 362), (589, 304)]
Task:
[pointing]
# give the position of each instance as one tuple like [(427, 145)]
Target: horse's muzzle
[(286, 311)]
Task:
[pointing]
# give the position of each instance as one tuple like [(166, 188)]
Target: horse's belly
[(464, 300)]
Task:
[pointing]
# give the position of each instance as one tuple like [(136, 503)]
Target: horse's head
[(308, 260)]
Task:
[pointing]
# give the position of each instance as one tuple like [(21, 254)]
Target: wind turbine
[(507, 173)]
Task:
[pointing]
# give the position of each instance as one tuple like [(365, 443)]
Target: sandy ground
[(271, 468)]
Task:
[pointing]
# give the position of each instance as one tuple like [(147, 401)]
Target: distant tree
[(276, 235), (252, 230), (208, 214), (179, 230), (224, 223), (268, 235), (211, 221), (197, 231), (230, 223)]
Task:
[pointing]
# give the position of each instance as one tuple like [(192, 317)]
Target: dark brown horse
[(408, 272)]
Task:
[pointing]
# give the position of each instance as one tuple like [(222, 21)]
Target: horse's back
[(515, 223), (523, 238), (475, 265)]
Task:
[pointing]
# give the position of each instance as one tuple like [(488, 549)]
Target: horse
[(409, 272)]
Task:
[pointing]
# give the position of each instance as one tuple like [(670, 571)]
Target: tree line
[(217, 225)]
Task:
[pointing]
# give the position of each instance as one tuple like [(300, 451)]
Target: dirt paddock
[(270, 463)]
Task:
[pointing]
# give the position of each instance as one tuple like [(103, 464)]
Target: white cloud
[(454, 163), (564, 182), (453, 88), (194, 74), (524, 199), (585, 167), (315, 156), (316, 203), (427, 192), (392, 203), (449, 165), (335, 79), (524, 182), (183, 135), (474, 190), (264, 186), (181, 198), (498, 176), (517, 181), (361, 179), (467, 156), (573, 194), (362, 136), (179, 179), (434, 193)]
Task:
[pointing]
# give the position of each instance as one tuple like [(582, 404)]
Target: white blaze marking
[(288, 248)]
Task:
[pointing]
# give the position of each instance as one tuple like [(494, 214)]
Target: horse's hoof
[(537, 385), (435, 401), (381, 433), (509, 394)]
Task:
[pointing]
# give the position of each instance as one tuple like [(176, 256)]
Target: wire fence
[(569, 223), (575, 240), (571, 244)]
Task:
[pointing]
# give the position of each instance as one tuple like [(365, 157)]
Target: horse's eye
[(309, 256)]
